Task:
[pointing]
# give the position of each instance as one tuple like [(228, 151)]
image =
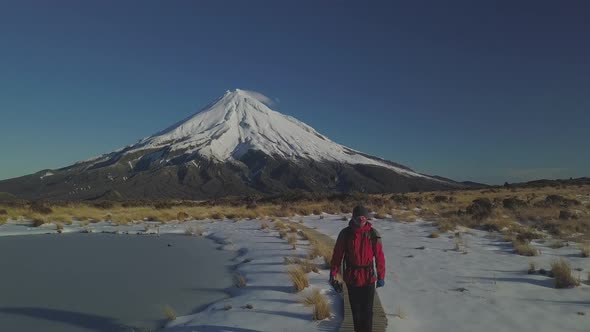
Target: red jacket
[(355, 247)]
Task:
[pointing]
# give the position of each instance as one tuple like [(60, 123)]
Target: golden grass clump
[(532, 267), (303, 235), (292, 229), (264, 226), (585, 250), (182, 216), (194, 230), (298, 278), (562, 272), (434, 235), (321, 250), (557, 244), (292, 240), (217, 215), (524, 249), (319, 302), (169, 313), (239, 280), (307, 265), (279, 225), (39, 221)]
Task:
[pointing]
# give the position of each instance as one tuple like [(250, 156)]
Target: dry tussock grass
[(194, 230), (319, 302), (169, 313), (305, 264), (585, 250), (298, 278), (562, 272), (239, 280), (319, 249), (446, 208), (292, 240), (524, 249), (434, 235)]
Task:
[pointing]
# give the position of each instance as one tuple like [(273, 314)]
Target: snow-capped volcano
[(237, 145), (240, 121)]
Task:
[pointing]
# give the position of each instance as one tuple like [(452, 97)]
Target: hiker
[(356, 246)]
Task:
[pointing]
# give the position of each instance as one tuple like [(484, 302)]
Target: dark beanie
[(360, 210)]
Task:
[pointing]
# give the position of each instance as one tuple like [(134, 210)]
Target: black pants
[(361, 304)]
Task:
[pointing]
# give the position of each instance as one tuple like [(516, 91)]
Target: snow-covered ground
[(259, 258), (484, 287)]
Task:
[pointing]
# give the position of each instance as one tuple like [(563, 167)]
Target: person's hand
[(335, 284), (380, 283)]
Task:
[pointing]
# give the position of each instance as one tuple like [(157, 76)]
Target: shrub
[(3, 212), (321, 250), (303, 235), (321, 307), (216, 215), (41, 208), (239, 280), (566, 215), (585, 250), (434, 235), (163, 205), (513, 203), (480, 208), (524, 249), (194, 231), (105, 205), (532, 267), (169, 313), (307, 265), (38, 222), (264, 226), (249, 306), (440, 199), (298, 278), (182, 216), (557, 201), (562, 272), (292, 240), (526, 235), (557, 244)]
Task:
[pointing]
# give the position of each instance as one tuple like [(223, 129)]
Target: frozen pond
[(106, 282)]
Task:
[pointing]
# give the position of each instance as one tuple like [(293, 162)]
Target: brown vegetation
[(524, 248), (562, 272), (321, 307), (298, 278), (561, 211), (169, 313), (239, 280)]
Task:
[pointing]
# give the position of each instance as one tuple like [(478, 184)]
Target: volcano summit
[(236, 145)]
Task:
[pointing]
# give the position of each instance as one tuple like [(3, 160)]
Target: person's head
[(360, 215)]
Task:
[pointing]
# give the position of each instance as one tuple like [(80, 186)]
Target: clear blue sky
[(487, 91)]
